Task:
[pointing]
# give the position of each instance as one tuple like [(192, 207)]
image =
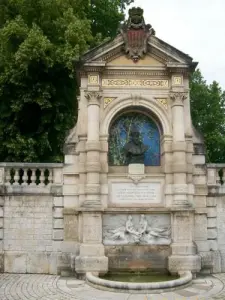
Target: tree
[(113, 12), (208, 115), (39, 41)]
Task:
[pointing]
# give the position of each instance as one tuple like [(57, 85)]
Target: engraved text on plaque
[(141, 193)]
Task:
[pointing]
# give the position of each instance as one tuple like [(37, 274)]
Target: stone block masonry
[(1, 234), (28, 231)]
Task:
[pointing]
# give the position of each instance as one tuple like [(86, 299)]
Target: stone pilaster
[(81, 149), (183, 256), (93, 151), (166, 162), (178, 115), (92, 254), (179, 163), (183, 249), (104, 170), (190, 170)]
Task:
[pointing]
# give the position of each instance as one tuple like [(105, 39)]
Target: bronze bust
[(135, 149)]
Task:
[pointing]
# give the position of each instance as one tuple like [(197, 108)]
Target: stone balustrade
[(30, 174)]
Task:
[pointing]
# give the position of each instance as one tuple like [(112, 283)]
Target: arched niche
[(120, 134), (145, 102)]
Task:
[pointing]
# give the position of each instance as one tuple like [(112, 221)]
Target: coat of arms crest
[(136, 34)]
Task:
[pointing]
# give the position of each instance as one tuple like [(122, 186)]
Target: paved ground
[(47, 287)]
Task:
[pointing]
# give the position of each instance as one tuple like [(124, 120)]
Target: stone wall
[(220, 228), (27, 234), (210, 220), (32, 234), (28, 223), (31, 218), (142, 258), (39, 233)]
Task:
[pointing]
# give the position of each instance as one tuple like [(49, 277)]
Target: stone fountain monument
[(131, 157)]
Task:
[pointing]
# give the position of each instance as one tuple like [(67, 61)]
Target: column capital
[(93, 97), (178, 97)]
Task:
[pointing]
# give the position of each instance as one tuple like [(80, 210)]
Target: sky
[(196, 27)]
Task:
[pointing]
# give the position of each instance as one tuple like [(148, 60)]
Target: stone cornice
[(133, 72), (169, 50), (153, 49), (110, 50), (113, 54), (91, 68), (96, 63), (173, 60)]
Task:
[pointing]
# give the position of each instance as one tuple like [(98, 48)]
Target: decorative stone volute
[(93, 97), (178, 97)]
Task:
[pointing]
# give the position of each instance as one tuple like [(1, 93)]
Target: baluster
[(33, 177), (16, 177), (220, 176), (42, 177), (25, 177), (8, 177), (50, 176), (222, 182)]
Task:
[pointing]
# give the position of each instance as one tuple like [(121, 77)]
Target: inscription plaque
[(141, 193)]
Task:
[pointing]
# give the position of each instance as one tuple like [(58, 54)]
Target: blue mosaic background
[(119, 135)]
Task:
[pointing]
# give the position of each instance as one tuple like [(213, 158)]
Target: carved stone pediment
[(148, 60), (156, 53), (135, 47), (116, 53)]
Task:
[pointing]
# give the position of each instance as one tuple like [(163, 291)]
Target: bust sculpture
[(135, 149)]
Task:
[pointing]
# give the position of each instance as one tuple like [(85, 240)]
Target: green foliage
[(208, 115), (39, 41), (113, 12)]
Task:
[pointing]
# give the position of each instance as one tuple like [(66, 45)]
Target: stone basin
[(183, 279)]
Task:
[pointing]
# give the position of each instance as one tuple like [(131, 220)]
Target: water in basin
[(139, 277)]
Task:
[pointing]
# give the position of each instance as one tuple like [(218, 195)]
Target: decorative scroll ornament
[(163, 102), (136, 178), (178, 96), (108, 100), (93, 96), (136, 34)]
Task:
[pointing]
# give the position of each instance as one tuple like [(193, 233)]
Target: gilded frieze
[(139, 83)]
